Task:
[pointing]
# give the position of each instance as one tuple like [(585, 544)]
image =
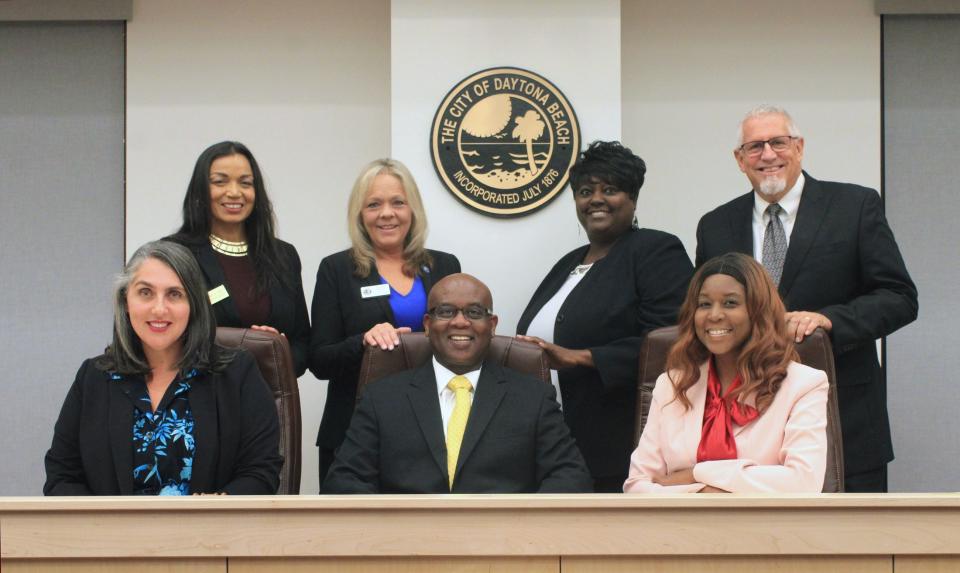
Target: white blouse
[(543, 323)]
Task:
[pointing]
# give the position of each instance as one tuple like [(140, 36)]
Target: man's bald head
[(460, 322), (460, 282)]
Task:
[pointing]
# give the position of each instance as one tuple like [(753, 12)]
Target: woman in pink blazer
[(735, 411)]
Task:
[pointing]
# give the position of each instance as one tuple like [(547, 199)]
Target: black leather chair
[(815, 351)]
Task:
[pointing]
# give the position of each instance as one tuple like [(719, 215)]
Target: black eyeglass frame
[(762, 144), (487, 313)]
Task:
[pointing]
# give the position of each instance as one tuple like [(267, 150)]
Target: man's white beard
[(772, 186)]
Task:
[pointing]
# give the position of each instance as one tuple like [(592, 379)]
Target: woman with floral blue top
[(165, 411)]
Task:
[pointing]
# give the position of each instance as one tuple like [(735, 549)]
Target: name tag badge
[(218, 294), (375, 291)]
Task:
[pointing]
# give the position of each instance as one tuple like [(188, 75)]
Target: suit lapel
[(557, 279), (225, 309), (814, 204), (120, 430), (425, 403), (741, 224), (491, 388), (373, 279), (203, 403)]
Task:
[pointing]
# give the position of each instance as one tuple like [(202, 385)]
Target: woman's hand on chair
[(384, 335)]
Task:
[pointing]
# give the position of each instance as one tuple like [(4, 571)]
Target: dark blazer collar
[(426, 407), (203, 403), (120, 430), (814, 206), (373, 279), (491, 388), (741, 224), (558, 276), (225, 309), (424, 400)]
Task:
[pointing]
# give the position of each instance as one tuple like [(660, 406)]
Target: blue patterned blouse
[(163, 440)]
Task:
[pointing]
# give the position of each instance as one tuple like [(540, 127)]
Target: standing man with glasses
[(458, 424), (830, 250)]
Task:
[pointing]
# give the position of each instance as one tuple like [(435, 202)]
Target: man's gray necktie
[(774, 244)]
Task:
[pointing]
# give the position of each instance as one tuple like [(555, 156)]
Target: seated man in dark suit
[(458, 424)]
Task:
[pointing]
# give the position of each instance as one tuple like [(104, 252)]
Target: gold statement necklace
[(228, 248)]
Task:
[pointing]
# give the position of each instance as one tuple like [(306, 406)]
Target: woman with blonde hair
[(735, 411), (372, 292)]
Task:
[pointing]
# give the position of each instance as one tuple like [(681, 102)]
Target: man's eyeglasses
[(448, 312), (777, 144)]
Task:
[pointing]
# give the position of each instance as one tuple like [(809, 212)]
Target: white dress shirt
[(447, 398), (788, 216)]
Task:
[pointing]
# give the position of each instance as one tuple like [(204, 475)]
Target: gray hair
[(762, 110), (125, 355)]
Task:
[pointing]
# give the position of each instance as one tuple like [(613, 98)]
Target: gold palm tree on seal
[(529, 128)]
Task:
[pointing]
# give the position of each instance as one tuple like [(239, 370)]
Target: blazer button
[(559, 317)]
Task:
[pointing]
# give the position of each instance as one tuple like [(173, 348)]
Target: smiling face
[(460, 344), (604, 211), (721, 319), (232, 194), (385, 214), (159, 310), (772, 174)]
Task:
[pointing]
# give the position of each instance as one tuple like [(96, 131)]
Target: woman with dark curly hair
[(594, 307), (735, 411), (253, 278)]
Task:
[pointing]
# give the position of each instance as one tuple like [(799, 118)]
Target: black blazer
[(515, 441), (288, 307), (637, 287), (235, 430), (842, 262), (340, 318)]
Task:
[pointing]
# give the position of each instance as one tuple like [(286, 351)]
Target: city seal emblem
[(503, 141)]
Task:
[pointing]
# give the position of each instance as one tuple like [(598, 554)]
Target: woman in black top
[(253, 277), (594, 307), (165, 411), (367, 295)]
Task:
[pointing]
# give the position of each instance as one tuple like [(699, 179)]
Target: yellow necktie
[(461, 388)]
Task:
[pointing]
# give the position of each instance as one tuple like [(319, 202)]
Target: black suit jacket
[(515, 441), (235, 431), (637, 287), (288, 307), (340, 318), (842, 262)]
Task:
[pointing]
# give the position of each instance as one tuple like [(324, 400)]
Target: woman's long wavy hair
[(268, 260), (764, 357), (415, 254)]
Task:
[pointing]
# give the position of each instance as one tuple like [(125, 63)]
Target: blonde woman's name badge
[(375, 291), (503, 141)]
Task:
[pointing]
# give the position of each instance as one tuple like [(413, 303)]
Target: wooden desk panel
[(868, 531)]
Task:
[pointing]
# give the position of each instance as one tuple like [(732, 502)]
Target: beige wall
[(691, 69), (437, 44), (304, 83)]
